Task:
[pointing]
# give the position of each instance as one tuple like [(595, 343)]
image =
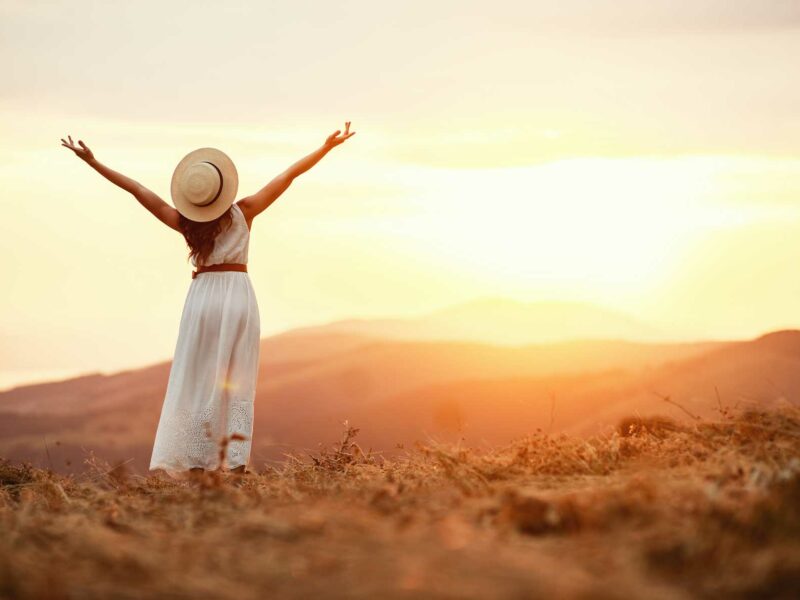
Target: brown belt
[(220, 267)]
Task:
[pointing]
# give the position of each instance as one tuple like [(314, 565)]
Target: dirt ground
[(656, 510)]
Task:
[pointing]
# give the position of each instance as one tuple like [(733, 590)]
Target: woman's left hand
[(335, 139)]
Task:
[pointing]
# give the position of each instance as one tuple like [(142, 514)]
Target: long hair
[(201, 236)]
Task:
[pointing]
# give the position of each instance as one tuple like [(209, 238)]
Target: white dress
[(212, 381)]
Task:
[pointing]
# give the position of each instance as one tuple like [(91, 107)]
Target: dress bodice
[(230, 246)]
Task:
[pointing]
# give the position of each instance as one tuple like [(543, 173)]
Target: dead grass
[(656, 509)]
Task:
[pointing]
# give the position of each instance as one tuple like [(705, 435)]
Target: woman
[(207, 417)]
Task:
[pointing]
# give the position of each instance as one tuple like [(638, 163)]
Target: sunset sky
[(641, 156)]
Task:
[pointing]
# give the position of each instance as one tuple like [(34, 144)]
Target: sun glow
[(586, 224)]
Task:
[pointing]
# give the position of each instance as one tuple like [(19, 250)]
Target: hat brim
[(230, 185)]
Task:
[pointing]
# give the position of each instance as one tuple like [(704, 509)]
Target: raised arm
[(258, 202), (147, 198)]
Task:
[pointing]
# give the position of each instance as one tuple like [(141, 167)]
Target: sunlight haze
[(643, 160)]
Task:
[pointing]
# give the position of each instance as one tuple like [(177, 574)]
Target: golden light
[(588, 225)]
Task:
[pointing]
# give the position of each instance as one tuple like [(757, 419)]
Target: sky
[(641, 156)]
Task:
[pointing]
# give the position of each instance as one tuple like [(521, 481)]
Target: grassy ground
[(657, 510)]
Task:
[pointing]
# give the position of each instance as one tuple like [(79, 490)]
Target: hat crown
[(204, 184), (201, 183)]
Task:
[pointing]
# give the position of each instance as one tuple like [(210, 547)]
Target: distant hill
[(398, 391), (309, 384), (501, 321), (762, 372)]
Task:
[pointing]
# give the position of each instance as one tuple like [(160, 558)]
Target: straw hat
[(204, 184)]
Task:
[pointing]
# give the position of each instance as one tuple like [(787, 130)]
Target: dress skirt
[(212, 382)]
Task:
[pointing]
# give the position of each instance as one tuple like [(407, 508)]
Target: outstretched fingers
[(335, 139), (70, 144), (82, 151), (347, 132)]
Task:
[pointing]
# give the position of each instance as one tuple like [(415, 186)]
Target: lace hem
[(188, 439)]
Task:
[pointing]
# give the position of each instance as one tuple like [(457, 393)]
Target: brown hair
[(201, 236)]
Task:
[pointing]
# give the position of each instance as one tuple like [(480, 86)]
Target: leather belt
[(220, 267)]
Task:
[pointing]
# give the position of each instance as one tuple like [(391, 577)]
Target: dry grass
[(657, 510)]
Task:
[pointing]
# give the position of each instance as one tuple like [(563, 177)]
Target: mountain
[(501, 321), (398, 391), (758, 373), (309, 384)]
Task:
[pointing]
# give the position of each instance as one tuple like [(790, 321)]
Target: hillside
[(398, 392), (307, 386), (758, 373), (659, 510)]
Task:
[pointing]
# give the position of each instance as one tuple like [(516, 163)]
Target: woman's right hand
[(83, 152)]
